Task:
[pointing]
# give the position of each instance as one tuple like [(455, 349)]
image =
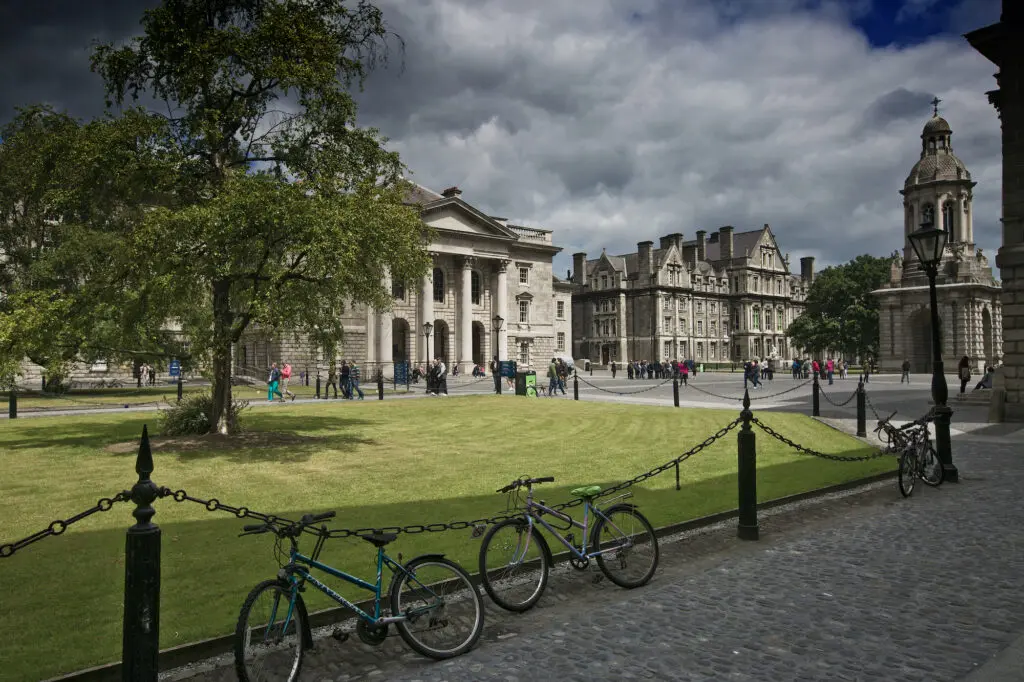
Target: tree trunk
[(221, 419)]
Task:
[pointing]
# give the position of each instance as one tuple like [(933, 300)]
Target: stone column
[(659, 303), (426, 315), (384, 336), (501, 308), (465, 336), (621, 331)]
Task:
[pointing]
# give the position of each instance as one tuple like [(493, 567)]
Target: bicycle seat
[(379, 539), (586, 491)]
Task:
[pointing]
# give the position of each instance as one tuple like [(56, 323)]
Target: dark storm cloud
[(586, 171), (898, 105)]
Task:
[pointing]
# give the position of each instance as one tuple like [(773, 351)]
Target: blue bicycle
[(434, 605)]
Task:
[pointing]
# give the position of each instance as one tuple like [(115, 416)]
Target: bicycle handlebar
[(289, 529), (519, 482)]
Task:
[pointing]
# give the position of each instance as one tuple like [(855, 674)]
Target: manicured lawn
[(375, 463)]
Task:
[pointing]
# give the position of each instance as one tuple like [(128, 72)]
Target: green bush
[(191, 417)]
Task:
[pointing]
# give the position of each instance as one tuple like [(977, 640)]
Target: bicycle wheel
[(268, 640), (514, 564), (931, 468), (444, 611), (908, 472), (629, 549)]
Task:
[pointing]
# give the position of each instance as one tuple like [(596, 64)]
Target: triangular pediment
[(455, 215)]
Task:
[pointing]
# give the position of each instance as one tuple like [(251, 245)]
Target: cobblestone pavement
[(862, 587)]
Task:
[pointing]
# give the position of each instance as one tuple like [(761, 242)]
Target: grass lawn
[(375, 463)]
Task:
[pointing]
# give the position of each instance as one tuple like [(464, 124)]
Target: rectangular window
[(604, 328), (768, 319), (524, 275), (524, 353), (700, 307), (700, 350), (398, 291), (712, 307), (682, 325), (714, 328), (779, 318), (604, 306), (524, 312), (757, 319), (560, 342), (604, 281), (613, 327), (668, 350), (700, 327), (668, 324), (560, 309), (714, 350)]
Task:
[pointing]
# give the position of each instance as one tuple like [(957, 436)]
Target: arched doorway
[(986, 335), (606, 355), (920, 350), (441, 341), (478, 344), (400, 340)]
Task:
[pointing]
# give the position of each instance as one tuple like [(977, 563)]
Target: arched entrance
[(441, 341), (478, 344), (400, 340), (606, 355), (920, 337), (986, 335)]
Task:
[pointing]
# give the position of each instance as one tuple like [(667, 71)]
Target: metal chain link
[(760, 397), (58, 527), (867, 399), (642, 390), (456, 387), (808, 451), (835, 404)]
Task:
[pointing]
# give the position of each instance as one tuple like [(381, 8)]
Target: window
[(682, 324), (779, 318), (524, 353), (712, 307), (668, 324), (757, 318), (736, 319), (524, 312), (667, 304), (613, 327), (398, 291), (560, 341), (560, 310), (604, 281), (714, 350), (604, 306), (700, 307), (947, 219), (700, 350), (768, 319), (438, 285), (604, 328), (474, 287), (757, 284), (700, 327), (524, 276), (714, 329), (668, 350)]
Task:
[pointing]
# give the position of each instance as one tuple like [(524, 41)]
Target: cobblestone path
[(867, 587)]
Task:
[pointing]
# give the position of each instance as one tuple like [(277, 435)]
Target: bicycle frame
[(534, 511)]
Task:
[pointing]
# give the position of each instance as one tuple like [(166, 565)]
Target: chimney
[(725, 237), (579, 268), (645, 264), (675, 239), (807, 269), (701, 245), (665, 242), (690, 255), (451, 192), (568, 275)]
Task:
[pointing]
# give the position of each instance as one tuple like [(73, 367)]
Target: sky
[(617, 121)]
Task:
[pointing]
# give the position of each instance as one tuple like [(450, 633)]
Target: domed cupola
[(937, 162)]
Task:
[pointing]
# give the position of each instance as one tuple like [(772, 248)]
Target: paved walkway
[(862, 587)]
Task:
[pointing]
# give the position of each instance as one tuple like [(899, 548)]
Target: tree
[(282, 210), (841, 314)]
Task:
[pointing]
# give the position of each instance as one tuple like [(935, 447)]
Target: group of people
[(277, 382), (147, 375), (558, 374), (643, 369), (437, 378)]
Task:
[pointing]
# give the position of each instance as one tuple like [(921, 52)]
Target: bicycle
[(429, 591), (615, 544), (918, 458)]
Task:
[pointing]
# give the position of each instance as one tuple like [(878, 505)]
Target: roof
[(936, 124), (418, 194), (742, 242), (941, 165)]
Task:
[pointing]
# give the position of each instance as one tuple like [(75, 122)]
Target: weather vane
[(935, 105)]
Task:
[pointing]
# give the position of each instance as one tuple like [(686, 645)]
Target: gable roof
[(418, 194)]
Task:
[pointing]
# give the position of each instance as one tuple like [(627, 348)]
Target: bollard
[(575, 386), (138, 383), (677, 475), (747, 475), (179, 388), (12, 405), (140, 643), (591, 369), (380, 385), (42, 378), (862, 429), (815, 407), (318, 387), (307, 376), (675, 394)]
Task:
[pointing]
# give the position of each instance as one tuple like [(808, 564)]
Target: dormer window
[(604, 281)]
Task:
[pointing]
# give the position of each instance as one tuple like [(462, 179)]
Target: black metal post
[(747, 475), (380, 384), (815, 405), (42, 378), (138, 383), (675, 394), (141, 635), (940, 391), (591, 369), (12, 405), (307, 376), (179, 387), (862, 429), (318, 386), (575, 386), (677, 475)]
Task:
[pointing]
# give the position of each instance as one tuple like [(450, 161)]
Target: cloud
[(613, 123), (913, 9)]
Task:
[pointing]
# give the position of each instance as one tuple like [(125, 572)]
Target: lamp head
[(928, 243)]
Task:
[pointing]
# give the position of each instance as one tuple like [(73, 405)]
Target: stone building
[(1000, 44), (484, 269), (724, 297), (939, 190)]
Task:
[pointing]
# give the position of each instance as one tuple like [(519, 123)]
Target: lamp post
[(427, 328), (929, 243), (499, 322)]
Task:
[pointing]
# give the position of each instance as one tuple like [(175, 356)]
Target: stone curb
[(186, 654)]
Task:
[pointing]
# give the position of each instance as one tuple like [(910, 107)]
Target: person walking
[(345, 380), (614, 369), (552, 378), (272, 383), (964, 369), (685, 371), (286, 374), (332, 379), (442, 378), (496, 374), (353, 377), (830, 368), (906, 371)]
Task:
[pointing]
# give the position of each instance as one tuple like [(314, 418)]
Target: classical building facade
[(1000, 44), (723, 297), (490, 292), (939, 190)]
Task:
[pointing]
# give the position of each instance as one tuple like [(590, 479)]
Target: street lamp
[(499, 321), (427, 328), (929, 244)]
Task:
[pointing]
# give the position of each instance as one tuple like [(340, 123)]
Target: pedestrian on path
[(830, 368), (906, 371), (552, 377), (353, 377), (964, 369), (345, 382), (685, 371), (496, 373), (272, 383), (286, 374)]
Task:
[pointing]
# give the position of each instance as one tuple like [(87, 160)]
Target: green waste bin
[(526, 383)]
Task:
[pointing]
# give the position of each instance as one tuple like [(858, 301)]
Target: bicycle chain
[(808, 451), (58, 527)]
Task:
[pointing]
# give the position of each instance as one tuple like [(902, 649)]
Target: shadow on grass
[(205, 563)]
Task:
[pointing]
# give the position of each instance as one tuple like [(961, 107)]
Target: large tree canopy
[(841, 314)]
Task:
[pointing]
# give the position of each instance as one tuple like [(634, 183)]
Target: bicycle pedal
[(340, 636)]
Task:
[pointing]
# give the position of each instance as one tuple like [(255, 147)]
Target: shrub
[(191, 417)]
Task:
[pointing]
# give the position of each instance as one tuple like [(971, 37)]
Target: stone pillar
[(501, 308), (621, 331), (465, 336), (426, 302), (384, 336)]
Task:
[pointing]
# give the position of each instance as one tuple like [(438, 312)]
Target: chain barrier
[(642, 390), (835, 404), (753, 398), (459, 386), (58, 527), (867, 399), (24, 392), (808, 451)]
